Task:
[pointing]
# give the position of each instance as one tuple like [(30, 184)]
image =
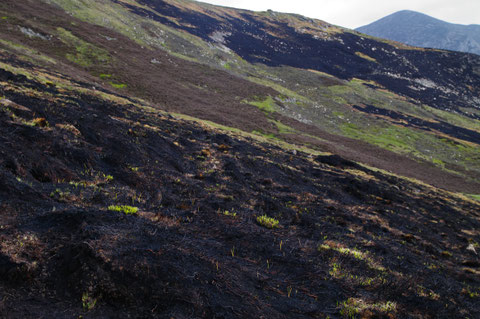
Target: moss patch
[(86, 54)]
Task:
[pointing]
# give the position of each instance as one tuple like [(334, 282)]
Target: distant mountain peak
[(418, 29)]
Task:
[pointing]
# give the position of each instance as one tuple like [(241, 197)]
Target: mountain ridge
[(418, 29)]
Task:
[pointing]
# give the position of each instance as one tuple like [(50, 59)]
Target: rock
[(471, 249)]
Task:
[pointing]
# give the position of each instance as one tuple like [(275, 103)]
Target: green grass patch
[(416, 143), (268, 222), (267, 105), (474, 196), (128, 210), (269, 136), (105, 76), (282, 128), (438, 162), (86, 54), (118, 85)]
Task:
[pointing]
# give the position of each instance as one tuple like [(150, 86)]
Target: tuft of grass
[(128, 210), (88, 302), (118, 85), (268, 222), (229, 213), (352, 307)]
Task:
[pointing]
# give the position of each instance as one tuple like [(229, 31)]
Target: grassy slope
[(150, 215), (326, 106)]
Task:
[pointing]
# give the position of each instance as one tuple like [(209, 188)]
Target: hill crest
[(418, 29)]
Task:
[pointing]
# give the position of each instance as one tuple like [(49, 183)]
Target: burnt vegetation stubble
[(180, 255)]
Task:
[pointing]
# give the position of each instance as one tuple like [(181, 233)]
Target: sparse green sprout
[(128, 210), (470, 292), (108, 178), (268, 222), (62, 196), (105, 76), (229, 213), (88, 302), (335, 271)]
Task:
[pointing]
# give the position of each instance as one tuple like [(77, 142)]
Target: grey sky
[(356, 13)]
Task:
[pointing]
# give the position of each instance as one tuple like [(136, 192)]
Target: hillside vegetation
[(155, 166)]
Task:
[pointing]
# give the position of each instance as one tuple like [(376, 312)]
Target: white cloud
[(355, 13)]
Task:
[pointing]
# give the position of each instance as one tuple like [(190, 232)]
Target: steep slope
[(425, 101), (418, 29), (115, 205), (112, 208)]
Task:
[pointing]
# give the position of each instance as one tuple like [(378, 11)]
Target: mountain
[(418, 29), (174, 159)]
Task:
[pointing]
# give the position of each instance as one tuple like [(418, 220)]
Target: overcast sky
[(356, 13)]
